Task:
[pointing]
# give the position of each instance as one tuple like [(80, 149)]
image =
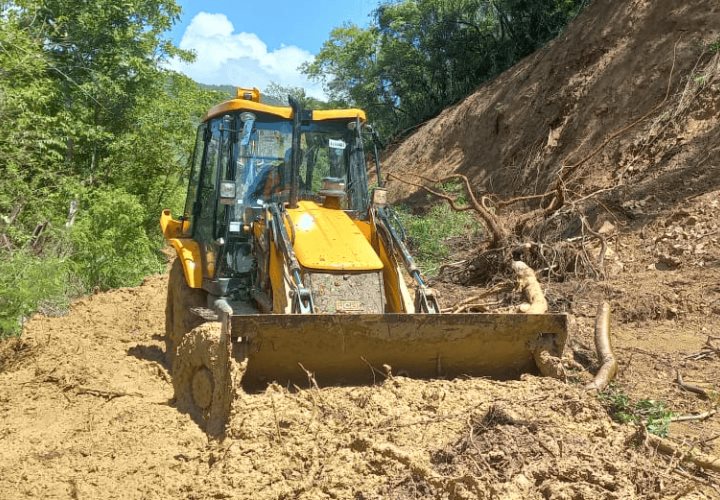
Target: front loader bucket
[(358, 349)]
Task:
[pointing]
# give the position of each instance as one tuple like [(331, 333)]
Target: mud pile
[(468, 439), (87, 412)]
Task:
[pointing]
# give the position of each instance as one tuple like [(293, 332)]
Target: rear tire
[(202, 379), (178, 318)]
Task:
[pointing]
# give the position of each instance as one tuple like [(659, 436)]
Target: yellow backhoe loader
[(290, 269)]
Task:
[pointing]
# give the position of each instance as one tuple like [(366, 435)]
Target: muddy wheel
[(201, 378), (178, 318)]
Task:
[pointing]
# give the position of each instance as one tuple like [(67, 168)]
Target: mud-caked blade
[(339, 349)]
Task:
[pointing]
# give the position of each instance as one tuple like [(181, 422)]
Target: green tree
[(105, 56), (150, 160), (347, 67), (278, 95), (92, 122), (31, 148)]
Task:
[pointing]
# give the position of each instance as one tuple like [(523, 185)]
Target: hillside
[(617, 63), (624, 108)]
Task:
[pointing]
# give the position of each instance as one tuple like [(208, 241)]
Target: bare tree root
[(689, 387), (609, 366), (499, 233), (561, 256), (667, 447), (528, 283), (548, 364)]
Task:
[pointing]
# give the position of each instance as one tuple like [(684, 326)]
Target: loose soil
[(86, 401), (88, 412)]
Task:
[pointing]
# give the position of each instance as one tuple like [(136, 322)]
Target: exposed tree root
[(609, 366), (667, 447), (498, 232), (691, 388), (528, 283), (548, 364)]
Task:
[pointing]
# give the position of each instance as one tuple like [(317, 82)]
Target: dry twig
[(689, 418)]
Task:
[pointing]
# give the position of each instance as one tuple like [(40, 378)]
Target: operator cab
[(246, 153)]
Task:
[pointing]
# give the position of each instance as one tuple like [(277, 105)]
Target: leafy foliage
[(28, 283), (418, 56), (110, 248), (428, 234), (277, 94), (654, 415), (91, 120)]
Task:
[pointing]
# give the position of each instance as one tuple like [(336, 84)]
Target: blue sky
[(254, 43)]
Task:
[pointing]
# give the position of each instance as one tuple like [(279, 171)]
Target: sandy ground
[(87, 412)]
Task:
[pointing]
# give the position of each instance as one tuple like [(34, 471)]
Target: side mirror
[(228, 192)]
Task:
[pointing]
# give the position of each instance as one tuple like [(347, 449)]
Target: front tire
[(179, 320), (202, 379)]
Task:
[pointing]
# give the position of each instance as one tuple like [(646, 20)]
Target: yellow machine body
[(365, 323)]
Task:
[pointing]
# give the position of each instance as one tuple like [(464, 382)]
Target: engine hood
[(328, 240)]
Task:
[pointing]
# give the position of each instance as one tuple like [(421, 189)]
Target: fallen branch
[(691, 388), (705, 353), (609, 366), (709, 345), (484, 306), (689, 418), (667, 447)]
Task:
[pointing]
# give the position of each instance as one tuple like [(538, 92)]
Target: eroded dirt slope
[(618, 62), (87, 412)]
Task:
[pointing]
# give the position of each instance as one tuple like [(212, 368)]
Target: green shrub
[(110, 245), (714, 47), (30, 283), (428, 233), (654, 415)]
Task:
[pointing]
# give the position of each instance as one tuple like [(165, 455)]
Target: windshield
[(324, 153), (264, 159)]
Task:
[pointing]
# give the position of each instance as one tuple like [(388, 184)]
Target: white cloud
[(224, 57)]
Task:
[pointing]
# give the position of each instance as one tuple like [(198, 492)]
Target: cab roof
[(249, 101)]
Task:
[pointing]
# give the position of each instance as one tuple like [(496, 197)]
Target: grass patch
[(428, 234), (32, 283), (714, 47), (654, 415)]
